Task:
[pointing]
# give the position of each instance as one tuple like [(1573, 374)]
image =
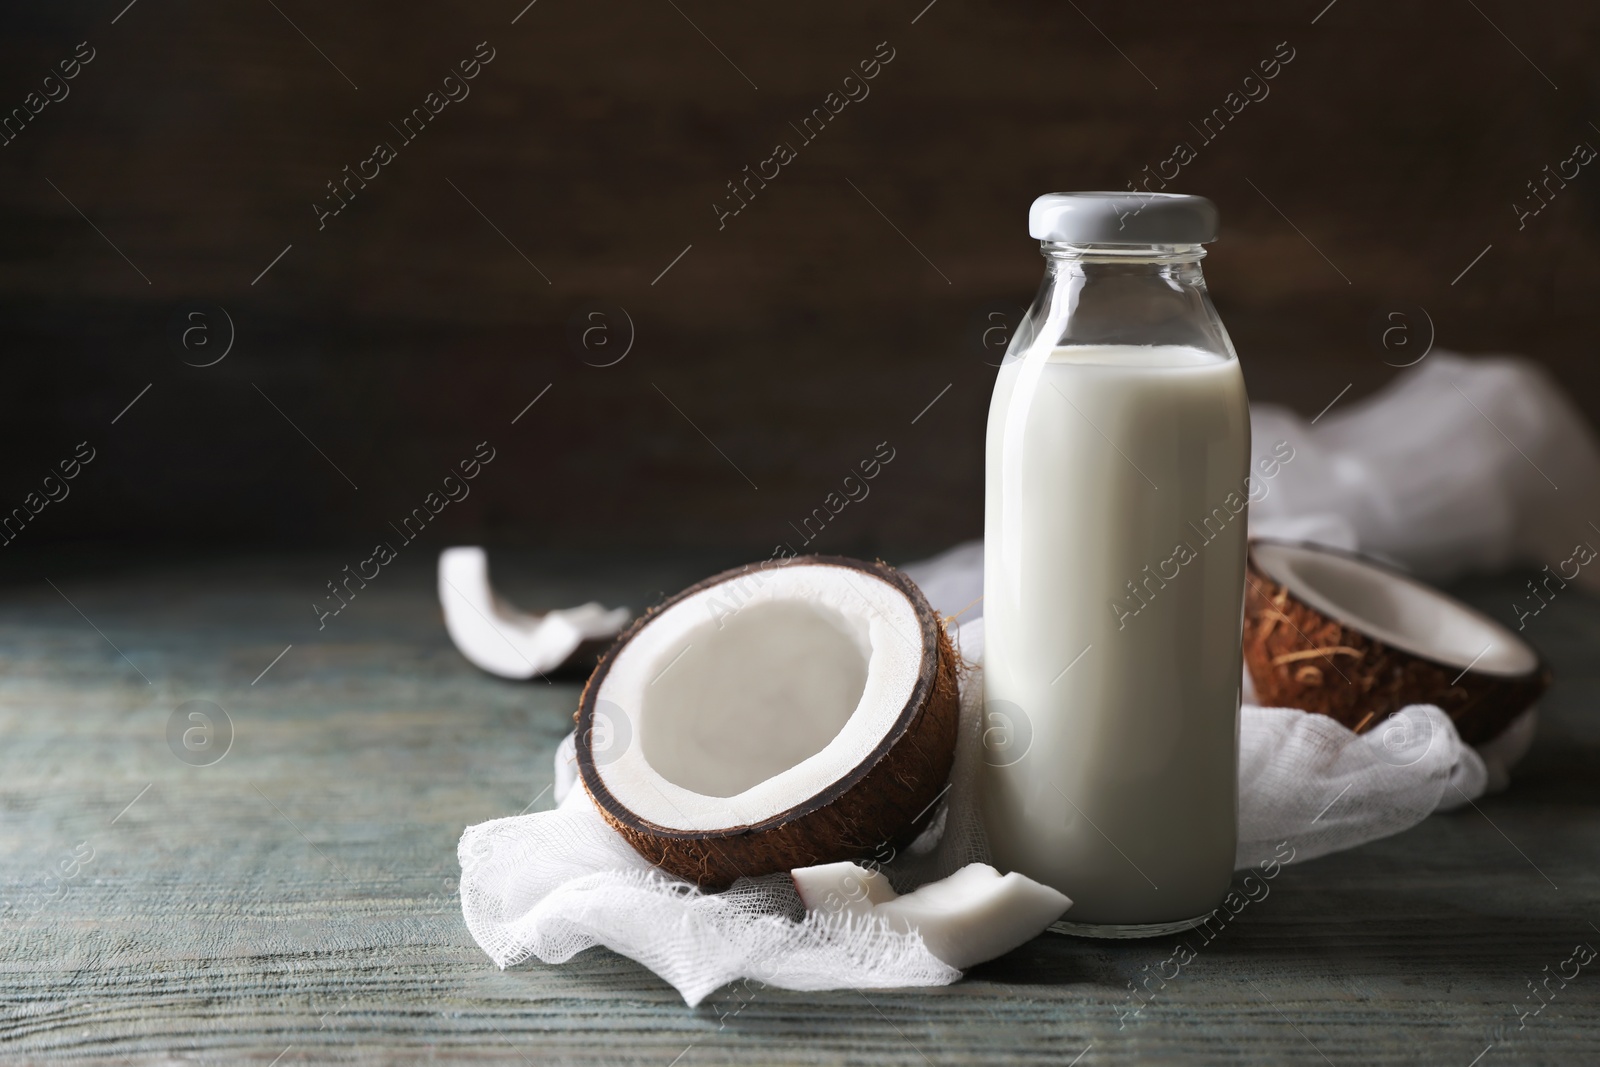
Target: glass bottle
[(1117, 459)]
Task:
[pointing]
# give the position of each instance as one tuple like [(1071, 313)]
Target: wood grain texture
[(295, 902), (821, 320)]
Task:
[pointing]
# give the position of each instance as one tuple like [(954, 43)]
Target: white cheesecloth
[(1461, 464)]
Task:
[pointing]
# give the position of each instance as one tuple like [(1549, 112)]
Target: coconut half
[(779, 715), (1336, 633)]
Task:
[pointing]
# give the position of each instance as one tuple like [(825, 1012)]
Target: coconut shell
[(1300, 658), (875, 810)]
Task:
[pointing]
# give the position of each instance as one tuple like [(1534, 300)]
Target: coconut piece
[(974, 915), (497, 637), (842, 886), (779, 715), (1342, 635)]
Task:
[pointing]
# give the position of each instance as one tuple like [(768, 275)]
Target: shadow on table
[(1348, 915)]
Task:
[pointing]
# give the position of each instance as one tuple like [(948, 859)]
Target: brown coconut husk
[(877, 809), (1300, 658)]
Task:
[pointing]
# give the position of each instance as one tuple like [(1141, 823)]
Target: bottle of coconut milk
[(1114, 545)]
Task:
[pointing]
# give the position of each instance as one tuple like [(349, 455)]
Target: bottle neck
[(1104, 294), (1063, 250), (1177, 263)]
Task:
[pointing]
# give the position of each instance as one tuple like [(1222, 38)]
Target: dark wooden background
[(818, 323)]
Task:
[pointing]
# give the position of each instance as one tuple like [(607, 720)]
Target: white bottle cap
[(1123, 218)]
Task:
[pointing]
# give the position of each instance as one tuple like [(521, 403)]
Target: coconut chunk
[(842, 886), (496, 637), (974, 915)]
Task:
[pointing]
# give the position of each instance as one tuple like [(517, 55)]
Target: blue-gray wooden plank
[(295, 902)]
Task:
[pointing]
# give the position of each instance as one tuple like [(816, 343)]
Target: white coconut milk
[(1114, 566)]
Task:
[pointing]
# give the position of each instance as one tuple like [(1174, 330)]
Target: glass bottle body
[(1117, 459)]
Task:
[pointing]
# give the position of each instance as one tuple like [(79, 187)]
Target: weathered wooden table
[(294, 901)]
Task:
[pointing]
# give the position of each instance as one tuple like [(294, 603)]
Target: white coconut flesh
[(497, 637), (747, 698), (1402, 613), (973, 915)]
